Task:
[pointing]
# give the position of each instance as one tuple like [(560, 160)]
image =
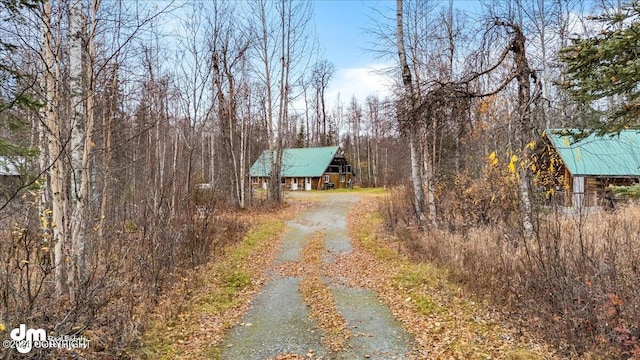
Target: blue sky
[(341, 28)]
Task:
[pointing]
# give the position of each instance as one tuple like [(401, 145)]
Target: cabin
[(313, 168), (9, 166), (11, 170), (589, 165)]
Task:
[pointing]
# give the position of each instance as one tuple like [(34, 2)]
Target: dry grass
[(445, 323), (575, 282)]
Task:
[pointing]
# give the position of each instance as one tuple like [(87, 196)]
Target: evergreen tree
[(15, 83), (300, 138), (606, 67)]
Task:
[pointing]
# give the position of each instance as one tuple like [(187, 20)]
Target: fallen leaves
[(319, 297), (288, 357), (221, 292), (444, 322)]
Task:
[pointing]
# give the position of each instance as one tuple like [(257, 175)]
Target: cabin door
[(307, 183), (294, 184)]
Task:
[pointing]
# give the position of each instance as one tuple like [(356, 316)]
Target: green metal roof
[(299, 162), (615, 155)]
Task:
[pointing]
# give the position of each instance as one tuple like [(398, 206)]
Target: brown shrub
[(575, 282), (130, 269)]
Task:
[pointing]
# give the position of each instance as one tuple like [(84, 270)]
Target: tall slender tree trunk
[(427, 177), (79, 149), (57, 175), (106, 159), (415, 129), (174, 172), (524, 124), (283, 114), (416, 178)]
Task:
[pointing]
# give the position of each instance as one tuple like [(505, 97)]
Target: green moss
[(521, 354), (425, 304), (411, 276), (160, 348), (254, 240), (237, 280), (212, 352), (361, 190)]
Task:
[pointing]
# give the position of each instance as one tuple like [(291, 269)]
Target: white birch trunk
[(416, 179), (81, 136), (427, 176), (54, 155), (415, 128), (76, 29)]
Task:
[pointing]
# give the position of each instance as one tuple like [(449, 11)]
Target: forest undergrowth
[(574, 283), (146, 268)]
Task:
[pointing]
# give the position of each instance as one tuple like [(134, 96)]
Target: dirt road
[(288, 319)]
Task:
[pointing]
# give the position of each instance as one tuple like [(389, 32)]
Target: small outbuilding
[(12, 168), (305, 169), (591, 164), (10, 165)]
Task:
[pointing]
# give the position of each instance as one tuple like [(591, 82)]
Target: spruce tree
[(606, 67)]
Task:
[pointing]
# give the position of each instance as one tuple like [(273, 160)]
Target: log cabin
[(590, 164), (313, 168)]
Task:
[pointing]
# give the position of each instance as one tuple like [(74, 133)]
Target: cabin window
[(333, 169), (255, 180), (294, 181), (343, 178), (326, 178), (347, 168), (282, 180)]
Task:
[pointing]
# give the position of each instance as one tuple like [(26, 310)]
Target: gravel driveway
[(278, 321)]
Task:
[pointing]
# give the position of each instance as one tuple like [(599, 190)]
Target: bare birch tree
[(282, 41), (54, 149), (321, 74), (229, 47), (413, 127)]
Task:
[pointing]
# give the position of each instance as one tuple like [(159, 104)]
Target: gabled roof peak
[(297, 162)]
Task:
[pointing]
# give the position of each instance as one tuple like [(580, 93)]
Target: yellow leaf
[(512, 164), (531, 145), (2, 328), (493, 158)]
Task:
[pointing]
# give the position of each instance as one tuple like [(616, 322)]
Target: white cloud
[(359, 82)]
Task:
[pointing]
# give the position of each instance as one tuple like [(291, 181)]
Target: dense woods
[(131, 122)]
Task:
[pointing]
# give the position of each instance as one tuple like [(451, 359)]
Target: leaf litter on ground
[(219, 293), (445, 322)]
